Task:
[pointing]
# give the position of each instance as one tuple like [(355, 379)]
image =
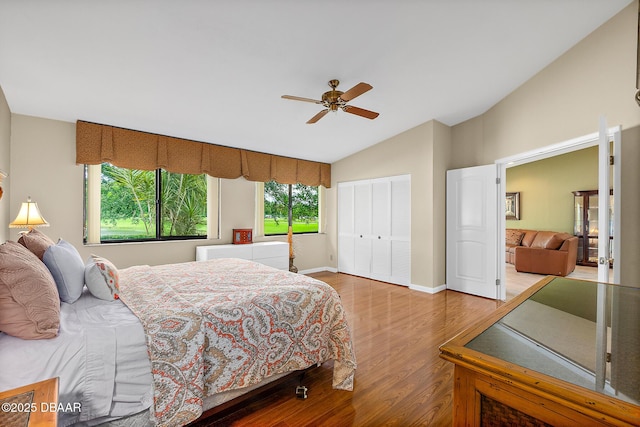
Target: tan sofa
[(542, 252)]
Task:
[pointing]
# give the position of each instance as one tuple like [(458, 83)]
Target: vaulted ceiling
[(215, 71)]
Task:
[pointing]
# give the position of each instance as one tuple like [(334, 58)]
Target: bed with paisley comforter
[(203, 329)]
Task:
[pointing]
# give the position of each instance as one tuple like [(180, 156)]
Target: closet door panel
[(362, 208), (346, 255), (381, 259), (401, 207), (362, 250), (381, 207), (401, 262), (346, 242), (345, 208)]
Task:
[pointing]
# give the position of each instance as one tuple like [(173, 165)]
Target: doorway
[(592, 142)]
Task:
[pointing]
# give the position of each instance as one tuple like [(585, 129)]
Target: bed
[(182, 338)]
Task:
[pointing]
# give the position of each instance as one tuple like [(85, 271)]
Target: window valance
[(97, 143)]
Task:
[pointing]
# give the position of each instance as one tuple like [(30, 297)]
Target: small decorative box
[(242, 236)]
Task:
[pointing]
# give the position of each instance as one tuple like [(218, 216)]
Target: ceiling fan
[(334, 99)]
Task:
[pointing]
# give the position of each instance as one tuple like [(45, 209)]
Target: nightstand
[(33, 405)]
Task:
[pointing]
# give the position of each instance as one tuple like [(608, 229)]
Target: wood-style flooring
[(400, 380), (518, 282)]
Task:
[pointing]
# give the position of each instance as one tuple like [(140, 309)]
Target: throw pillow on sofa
[(514, 237)]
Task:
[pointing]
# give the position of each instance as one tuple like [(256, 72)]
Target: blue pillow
[(67, 268)]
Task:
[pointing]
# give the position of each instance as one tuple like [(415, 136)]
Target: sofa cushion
[(548, 240), (514, 237), (528, 237)]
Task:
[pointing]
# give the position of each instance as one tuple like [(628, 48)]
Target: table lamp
[(29, 216)]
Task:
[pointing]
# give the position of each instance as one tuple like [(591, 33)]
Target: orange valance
[(125, 148)]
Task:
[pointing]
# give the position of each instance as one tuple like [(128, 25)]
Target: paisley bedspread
[(226, 324)]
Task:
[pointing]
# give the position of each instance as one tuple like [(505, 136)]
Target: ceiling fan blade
[(360, 112), (317, 117), (297, 98), (357, 90)]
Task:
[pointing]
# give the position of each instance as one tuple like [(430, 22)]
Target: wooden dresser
[(563, 353), (274, 254)]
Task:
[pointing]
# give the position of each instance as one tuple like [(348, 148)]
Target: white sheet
[(95, 336)]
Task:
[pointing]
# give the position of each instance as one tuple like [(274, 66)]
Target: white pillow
[(67, 268), (101, 277)]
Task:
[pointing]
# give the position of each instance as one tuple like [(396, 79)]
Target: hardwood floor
[(518, 282), (400, 380)]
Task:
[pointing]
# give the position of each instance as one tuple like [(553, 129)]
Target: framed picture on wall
[(512, 205)]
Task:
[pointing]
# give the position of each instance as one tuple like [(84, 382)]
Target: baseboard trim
[(318, 270), (428, 290)]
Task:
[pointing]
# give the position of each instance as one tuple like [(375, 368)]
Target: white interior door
[(472, 230)]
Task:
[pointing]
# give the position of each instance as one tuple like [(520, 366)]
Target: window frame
[(260, 217), (93, 200)]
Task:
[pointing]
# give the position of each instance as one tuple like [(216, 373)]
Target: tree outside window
[(304, 208), (131, 200)]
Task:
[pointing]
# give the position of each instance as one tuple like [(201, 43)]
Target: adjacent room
[(244, 213)]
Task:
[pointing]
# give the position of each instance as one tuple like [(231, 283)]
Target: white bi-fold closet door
[(374, 228)]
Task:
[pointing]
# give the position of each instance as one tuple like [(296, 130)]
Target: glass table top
[(581, 332)]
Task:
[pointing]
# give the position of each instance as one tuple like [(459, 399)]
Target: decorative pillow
[(67, 268), (36, 242), (29, 301), (514, 237), (101, 277)]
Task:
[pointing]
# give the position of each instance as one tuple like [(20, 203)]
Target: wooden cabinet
[(274, 254), (374, 228), (585, 226), (562, 353)]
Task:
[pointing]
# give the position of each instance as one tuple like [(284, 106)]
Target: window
[(137, 205), (304, 207)]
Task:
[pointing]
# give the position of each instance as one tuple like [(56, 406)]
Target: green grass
[(270, 227), (126, 229)]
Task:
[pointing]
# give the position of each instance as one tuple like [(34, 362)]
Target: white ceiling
[(214, 71)]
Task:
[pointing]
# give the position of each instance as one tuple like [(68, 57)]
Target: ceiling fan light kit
[(334, 99)]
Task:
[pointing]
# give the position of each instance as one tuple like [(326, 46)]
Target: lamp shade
[(29, 216)]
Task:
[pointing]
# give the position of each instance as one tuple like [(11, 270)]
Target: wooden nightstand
[(33, 405)]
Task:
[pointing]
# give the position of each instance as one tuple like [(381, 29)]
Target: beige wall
[(546, 186), (43, 167), (564, 101), (423, 152)]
